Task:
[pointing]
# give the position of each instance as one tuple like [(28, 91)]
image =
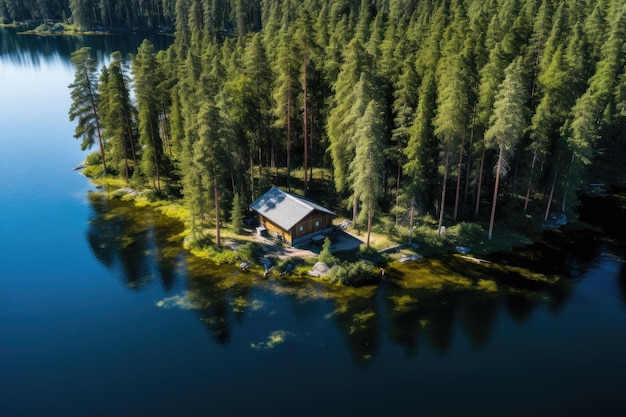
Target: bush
[(198, 241), (326, 256), (94, 158), (468, 234), (93, 171), (354, 274), (429, 240), (249, 251)]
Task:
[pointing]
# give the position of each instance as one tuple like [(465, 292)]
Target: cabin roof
[(285, 209)]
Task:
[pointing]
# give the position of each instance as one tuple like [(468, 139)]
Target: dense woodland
[(93, 14), (462, 110)]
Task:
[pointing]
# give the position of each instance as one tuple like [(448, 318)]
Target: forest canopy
[(382, 107)]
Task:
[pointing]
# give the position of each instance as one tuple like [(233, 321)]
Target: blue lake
[(103, 313)]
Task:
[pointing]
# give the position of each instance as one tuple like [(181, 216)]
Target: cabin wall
[(313, 224), (274, 230)]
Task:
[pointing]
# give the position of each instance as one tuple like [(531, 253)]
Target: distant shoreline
[(65, 29)]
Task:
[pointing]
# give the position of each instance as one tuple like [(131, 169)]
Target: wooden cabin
[(292, 218)]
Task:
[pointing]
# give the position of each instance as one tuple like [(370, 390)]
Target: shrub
[(93, 158), (429, 239), (198, 241), (93, 171), (249, 251), (154, 195), (354, 274), (236, 216), (326, 256), (466, 233)]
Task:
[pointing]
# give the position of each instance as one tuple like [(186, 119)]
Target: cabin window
[(317, 223), (301, 228)]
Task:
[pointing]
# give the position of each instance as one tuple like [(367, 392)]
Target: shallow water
[(103, 313)]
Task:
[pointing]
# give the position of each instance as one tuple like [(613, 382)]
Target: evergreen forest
[(488, 112)]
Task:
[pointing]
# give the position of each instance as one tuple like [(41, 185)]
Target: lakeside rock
[(319, 270)]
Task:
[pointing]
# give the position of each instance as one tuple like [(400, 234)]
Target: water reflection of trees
[(35, 50), (138, 244), (132, 242), (357, 318)]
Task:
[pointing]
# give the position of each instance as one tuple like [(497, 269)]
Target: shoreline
[(425, 271), (66, 29)]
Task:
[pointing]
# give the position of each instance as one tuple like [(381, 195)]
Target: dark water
[(102, 313)]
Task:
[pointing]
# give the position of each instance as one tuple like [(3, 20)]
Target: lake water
[(103, 313)]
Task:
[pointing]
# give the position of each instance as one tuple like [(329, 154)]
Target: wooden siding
[(274, 230), (315, 223)]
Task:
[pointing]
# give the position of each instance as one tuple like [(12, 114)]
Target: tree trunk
[(165, 128), (398, 175), (311, 136), (94, 108), (530, 179), (216, 200), (156, 159), (495, 193), (458, 179), (251, 176), (127, 172), (369, 219), (545, 217), (480, 181), (306, 150), (469, 163), (411, 220), (567, 179), (289, 134), (443, 190), (130, 138)]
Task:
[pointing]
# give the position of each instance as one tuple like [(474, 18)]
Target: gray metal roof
[(285, 209)]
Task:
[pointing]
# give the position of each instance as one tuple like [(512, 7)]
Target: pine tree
[(305, 37), (506, 124), (236, 214), (119, 116), (144, 70), (367, 167), (84, 93), (453, 97), (340, 127), (491, 75), (209, 155), (286, 87), (421, 151), (404, 106), (595, 112)]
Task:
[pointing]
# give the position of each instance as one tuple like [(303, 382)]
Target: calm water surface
[(102, 313)]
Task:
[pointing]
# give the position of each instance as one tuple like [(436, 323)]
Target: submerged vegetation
[(456, 124)]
